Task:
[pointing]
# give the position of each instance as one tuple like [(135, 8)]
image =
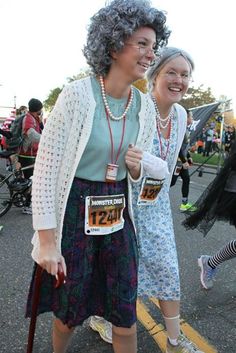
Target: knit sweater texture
[(62, 144)]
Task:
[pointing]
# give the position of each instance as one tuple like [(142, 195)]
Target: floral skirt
[(101, 269)]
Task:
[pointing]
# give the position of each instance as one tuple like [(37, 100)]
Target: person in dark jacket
[(182, 167), (31, 130), (218, 202)]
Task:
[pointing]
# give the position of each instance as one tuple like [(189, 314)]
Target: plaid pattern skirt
[(101, 269)]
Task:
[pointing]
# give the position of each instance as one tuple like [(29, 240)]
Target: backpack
[(16, 140)]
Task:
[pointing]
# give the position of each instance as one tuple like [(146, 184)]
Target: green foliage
[(82, 74), (214, 160), (197, 97), (51, 99), (54, 93), (141, 85)]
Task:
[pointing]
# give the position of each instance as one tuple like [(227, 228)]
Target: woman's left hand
[(133, 158)]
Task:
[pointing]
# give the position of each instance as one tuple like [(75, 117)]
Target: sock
[(172, 328), (184, 200), (209, 264)]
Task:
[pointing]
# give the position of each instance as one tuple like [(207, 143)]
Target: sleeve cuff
[(140, 175), (44, 222)]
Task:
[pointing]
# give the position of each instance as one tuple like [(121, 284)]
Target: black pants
[(208, 148), (25, 162), (184, 174)]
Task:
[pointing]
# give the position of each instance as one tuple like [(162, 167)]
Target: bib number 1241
[(104, 214)]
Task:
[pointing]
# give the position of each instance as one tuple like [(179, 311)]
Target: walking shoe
[(187, 207), (207, 272), (184, 346), (27, 210), (103, 327)]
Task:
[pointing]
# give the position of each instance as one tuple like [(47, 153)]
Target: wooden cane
[(35, 302)]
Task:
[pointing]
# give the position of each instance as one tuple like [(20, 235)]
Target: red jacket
[(30, 148)]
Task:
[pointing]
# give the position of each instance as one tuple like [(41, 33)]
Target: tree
[(54, 93), (141, 85), (197, 97), (51, 99), (82, 74)]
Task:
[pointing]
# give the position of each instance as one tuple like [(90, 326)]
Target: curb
[(213, 166)]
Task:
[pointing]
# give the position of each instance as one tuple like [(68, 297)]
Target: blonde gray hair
[(165, 55), (114, 23)]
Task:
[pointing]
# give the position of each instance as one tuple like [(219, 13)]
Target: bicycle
[(13, 187)]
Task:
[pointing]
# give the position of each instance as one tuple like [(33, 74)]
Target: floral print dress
[(158, 274)]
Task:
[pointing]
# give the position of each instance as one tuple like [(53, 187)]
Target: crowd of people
[(20, 139), (210, 141), (103, 166)]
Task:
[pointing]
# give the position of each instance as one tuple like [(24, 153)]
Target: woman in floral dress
[(158, 276)]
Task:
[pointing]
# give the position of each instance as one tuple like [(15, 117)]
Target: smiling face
[(137, 54), (172, 82)]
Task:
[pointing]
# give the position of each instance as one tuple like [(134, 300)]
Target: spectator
[(31, 131), (209, 133), (5, 129), (20, 113), (229, 138), (200, 141)]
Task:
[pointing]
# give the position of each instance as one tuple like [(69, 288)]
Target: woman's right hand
[(49, 257), (133, 159)]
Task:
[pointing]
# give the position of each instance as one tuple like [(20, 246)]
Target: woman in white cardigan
[(81, 208)]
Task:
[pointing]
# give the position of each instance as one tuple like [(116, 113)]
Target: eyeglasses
[(143, 48), (173, 76)]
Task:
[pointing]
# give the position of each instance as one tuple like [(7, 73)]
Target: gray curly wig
[(164, 56), (113, 24)]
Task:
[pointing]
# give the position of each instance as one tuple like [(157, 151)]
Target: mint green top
[(97, 154)]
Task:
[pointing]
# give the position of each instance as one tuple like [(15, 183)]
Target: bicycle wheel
[(5, 195)]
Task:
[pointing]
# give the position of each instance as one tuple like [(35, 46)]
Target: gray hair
[(114, 23), (164, 56)]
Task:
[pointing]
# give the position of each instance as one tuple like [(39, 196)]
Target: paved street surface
[(212, 314)]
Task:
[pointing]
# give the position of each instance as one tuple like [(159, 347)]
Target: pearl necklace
[(162, 123), (130, 100)]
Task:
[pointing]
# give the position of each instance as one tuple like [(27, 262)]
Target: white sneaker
[(184, 346), (103, 327), (207, 272)]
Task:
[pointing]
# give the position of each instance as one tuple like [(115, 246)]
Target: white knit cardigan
[(62, 144)]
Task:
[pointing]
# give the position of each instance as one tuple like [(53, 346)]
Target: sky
[(41, 43)]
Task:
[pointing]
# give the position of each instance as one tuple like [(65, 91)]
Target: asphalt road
[(212, 314)]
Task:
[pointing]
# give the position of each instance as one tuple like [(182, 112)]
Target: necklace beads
[(104, 98), (162, 123)]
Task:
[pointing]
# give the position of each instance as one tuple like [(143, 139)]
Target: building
[(5, 112)]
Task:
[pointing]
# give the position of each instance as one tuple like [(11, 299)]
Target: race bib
[(104, 214), (178, 168), (150, 190)]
